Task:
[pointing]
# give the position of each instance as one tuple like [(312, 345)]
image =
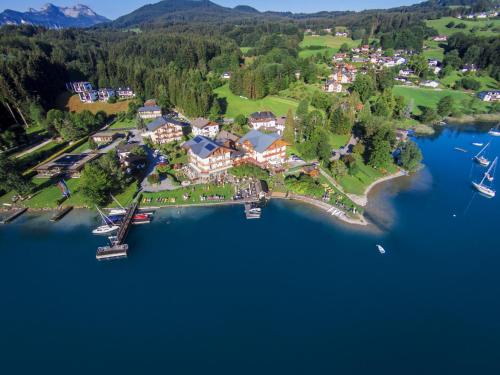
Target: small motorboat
[(118, 211), (105, 229), (381, 249), (477, 144)]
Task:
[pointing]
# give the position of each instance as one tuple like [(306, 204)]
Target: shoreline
[(362, 200)]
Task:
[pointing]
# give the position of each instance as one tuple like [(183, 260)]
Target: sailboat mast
[(482, 150), (493, 165)]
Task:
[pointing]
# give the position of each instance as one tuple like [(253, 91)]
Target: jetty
[(59, 214), (118, 248), (13, 215)]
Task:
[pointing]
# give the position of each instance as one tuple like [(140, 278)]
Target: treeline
[(409, 38), (483, 52), (274, 68), (35, 64)]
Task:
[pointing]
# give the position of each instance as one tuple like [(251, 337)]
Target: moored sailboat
[(495, 132), (480, 158), (489, 175)]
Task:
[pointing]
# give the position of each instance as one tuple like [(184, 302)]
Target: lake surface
[(206, 292)]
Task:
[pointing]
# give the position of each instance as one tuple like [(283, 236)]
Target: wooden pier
[(59, 214), (118, 248), (13, 215)]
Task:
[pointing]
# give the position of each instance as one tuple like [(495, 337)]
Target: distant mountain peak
[(53, 16)]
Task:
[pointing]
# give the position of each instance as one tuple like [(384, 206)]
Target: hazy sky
[(115, 8)]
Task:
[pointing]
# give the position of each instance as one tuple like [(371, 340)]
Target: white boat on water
[(495, 132), (117, 211), (478, 144), (480, 158), (489, 175), (381, 249), (105, 229)]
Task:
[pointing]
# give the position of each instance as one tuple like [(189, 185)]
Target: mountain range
[(168, 12), (54, 17)]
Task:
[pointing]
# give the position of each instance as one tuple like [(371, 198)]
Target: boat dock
[(13, 216), (59, 214), (118, 248), (252, 210)]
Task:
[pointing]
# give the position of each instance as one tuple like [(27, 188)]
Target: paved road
[(34, 148), (347, 149)]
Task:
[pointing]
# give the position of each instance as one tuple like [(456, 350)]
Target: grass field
[(487, 82), (124, 124), (237, 105), (433, 51), (72, 103), (194, 192), (364, 176), (337, 141), (430, 97), (440, 26), (329, 43)]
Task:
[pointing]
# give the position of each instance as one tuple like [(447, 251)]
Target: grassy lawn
[(429, 97), (440, 26), (487, 82), (329, 44), (32, 158), (237, 105), (336, 141), (50, 194), (83, 147), (175, 197), (364, 176), (124, 124), (72, 103), (433, 51)]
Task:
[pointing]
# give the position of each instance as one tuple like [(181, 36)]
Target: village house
[(339, 57), (406, 72), (227, 139), (440, 38), (265, 121), (88, 96), (149, 112), (125, 93), (332, 86), (365, 48), (469, 68), (106, 136), (69, 165), (164, 130), (128, 158), (263, 149), (204, 127), (105, 94), (432, 84), (489, 96), (79, 86), (341, 33), (208, 158)]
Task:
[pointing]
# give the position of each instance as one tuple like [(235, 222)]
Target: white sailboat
[(478, 144), (489, 175), (108, 226), (481, 159), (117, 211), (381, 249), (495, 132)]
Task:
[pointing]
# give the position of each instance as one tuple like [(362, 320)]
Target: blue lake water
[(206, 292)]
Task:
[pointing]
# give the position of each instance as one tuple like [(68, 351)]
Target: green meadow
[(237, 105), (484, 27)]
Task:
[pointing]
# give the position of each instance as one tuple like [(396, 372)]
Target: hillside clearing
[(72, 103)]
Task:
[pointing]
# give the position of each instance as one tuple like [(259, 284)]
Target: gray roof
[(161, 121), (202, 146), (200, 123), (260, 141), (262, 115), (149, 109)]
